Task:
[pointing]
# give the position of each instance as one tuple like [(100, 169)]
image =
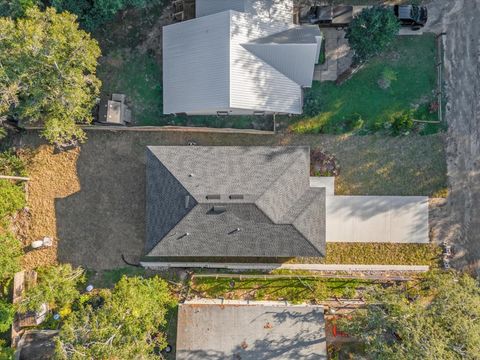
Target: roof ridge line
[(289, 166), (301, 212), (305, 207)]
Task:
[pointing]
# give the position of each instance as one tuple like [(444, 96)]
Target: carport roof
[(232, 201), (250, 331)]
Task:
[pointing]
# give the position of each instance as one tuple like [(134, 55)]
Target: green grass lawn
[(138, 75), (409, 67), (293, 290)]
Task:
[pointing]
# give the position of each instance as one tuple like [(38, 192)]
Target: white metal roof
[(218, 63), (267, 10), (195, 64)]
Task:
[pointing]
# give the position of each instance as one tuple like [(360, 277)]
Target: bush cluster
[(93, 14), (372, 31), (12, 199)]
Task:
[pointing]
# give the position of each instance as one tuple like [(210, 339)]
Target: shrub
[(10, 254), (93, 14), (312, 104), (12, 165), (57, 286), (349, 293), (353, 123), (320, 291), (372, 31), (402, 123), (12, 198), (6, 315), (16, 8), (126, 326), (323, 164), (388, 75)]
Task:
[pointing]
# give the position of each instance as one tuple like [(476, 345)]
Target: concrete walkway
[(265, 266), (374, 219), (337, 54)]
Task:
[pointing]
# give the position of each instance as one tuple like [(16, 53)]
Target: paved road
[(460, 20)]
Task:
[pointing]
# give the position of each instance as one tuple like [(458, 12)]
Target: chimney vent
[(219, 209), (236, 197), (213, 197)]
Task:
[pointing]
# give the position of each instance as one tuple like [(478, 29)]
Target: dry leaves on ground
[(52, 175)]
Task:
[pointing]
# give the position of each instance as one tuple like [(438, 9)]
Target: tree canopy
[(10, 255), (436, 317), (47, 73), (371, 31), (123, 323), (57, 286)]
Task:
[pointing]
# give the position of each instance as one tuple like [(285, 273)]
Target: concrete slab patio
[(338, 56), (250, 330), (389, 219)]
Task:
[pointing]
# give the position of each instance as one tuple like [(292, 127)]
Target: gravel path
[(459, 19)]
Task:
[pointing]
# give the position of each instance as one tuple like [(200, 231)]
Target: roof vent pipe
[(234, 231)]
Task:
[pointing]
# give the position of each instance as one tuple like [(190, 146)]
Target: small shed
[(250, 330), (115, 111)]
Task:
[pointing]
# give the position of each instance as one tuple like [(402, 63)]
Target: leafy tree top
[(124, 323), (57, 286), (47, 72), (436, 317), (371, 31)]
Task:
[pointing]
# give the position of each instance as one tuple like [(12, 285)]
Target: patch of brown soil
[(51, 176)]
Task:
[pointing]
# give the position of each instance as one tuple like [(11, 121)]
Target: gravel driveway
[(459, 19)]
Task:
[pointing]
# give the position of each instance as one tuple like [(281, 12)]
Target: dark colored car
[(411, 15), (330, 16)]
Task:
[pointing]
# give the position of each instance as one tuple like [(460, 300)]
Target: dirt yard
[(459, 19), (93, 200), (52, 176)]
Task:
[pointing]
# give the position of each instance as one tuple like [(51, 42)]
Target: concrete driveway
[(461, 224)]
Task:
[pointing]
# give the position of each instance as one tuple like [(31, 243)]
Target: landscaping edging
[(115, 128), (264, 266)]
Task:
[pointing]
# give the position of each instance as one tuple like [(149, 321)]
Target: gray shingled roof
[(278, 214)]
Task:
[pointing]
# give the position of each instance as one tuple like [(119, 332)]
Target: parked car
[(340, 16), (329, 16), (411, 15)]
